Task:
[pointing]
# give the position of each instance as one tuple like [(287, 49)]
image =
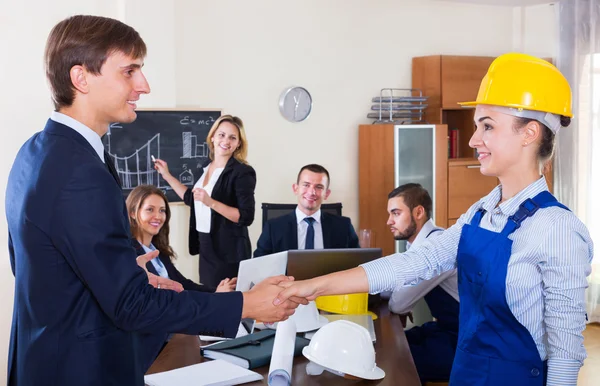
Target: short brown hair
[(413, 195), (134, 203), (315, 168), (241, 153), (86, 41)]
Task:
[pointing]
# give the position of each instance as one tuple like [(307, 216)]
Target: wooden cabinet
[(467, 186), (447, 80), (392, 155)]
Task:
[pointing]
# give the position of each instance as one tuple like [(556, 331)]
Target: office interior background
[(239, 56)]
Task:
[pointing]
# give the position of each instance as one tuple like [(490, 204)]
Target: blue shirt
[(545, 282), (158, 265)]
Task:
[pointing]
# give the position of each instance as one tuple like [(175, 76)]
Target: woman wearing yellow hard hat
[(522, 257)]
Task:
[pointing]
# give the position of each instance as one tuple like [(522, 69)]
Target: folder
[(250, 351)]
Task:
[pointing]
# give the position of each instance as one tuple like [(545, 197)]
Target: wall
[(239, 56)]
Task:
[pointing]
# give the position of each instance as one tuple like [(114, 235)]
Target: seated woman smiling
[(149, 216)]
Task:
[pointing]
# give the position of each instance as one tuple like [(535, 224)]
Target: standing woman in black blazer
[(221, 202)]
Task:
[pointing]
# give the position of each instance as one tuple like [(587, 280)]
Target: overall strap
[(433, 231), (477, 217), (528, 208)]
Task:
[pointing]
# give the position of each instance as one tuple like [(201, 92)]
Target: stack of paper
[(213, 373)]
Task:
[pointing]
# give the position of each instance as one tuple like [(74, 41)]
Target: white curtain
[(577, 161)]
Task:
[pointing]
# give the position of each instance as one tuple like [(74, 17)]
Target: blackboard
[(176, 136)]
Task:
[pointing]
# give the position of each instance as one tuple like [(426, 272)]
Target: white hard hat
[(306, 317), (343, 347)]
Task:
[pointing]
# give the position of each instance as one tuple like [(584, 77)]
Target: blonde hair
[(241, 152)]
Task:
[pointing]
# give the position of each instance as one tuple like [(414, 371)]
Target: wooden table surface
[(391, 352)]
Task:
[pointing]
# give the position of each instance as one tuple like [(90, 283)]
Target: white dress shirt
[(303, 229), (545, 282), (203, 212), (90, 135), (403, 298)]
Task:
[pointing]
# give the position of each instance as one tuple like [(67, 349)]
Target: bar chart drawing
[(191, 147)]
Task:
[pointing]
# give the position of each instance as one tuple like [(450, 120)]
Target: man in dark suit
[(308, 227), (81, 302)]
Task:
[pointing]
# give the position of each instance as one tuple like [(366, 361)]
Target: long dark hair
[(134, 202)]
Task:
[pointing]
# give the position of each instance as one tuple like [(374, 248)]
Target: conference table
[(391, 352)]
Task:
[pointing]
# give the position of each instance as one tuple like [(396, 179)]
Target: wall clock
[(295, 104)]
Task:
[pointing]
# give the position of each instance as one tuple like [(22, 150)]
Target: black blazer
[(235, 188), (174, 274), (281, 234)]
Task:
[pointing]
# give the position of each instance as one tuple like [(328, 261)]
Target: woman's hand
[(201, 195), (162, 167), (227, 285)]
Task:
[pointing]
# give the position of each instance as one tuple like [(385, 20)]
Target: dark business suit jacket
[(81, 301), (152, 344), (234, 188), (173, 272), (281, 234)]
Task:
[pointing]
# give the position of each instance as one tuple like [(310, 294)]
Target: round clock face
[(295, 104)]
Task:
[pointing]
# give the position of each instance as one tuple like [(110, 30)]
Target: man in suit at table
[(307, 227), (81, 303)]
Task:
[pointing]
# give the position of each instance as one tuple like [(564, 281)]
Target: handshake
[(272, 300)]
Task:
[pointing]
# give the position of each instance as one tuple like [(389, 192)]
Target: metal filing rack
[(400, 106)]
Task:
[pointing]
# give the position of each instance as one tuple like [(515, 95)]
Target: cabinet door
[(415, 159), (466, 185), (461, 77)]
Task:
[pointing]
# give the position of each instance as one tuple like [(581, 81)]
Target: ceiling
[(508, 3)]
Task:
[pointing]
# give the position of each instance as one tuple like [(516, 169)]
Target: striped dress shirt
[(546, 278)]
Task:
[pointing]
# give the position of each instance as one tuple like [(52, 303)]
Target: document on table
[(213, 373)]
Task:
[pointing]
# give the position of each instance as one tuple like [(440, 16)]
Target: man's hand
[(154, 280), (258, 302), (227, 285)]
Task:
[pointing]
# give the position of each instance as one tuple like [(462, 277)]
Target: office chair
[(271, 210)]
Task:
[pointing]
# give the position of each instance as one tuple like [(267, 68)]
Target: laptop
[(250, 273), (305, 264)]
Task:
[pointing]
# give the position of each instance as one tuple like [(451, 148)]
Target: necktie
[(111, 167), (310, 233)]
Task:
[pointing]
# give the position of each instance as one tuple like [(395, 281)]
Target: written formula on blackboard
[(178, 137)]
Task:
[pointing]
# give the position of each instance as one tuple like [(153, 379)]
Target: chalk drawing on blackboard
[(191, 148), (186, 177), (137, 168)]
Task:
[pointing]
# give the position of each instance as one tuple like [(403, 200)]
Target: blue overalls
[(494, 349), (439, 337)]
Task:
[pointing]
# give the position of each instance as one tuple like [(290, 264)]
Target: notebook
[(250, 351), (212, 373)]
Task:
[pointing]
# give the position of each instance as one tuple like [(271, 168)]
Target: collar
[(90, 135), (510, 207), (148, 249), (300, 215), (422, 235)]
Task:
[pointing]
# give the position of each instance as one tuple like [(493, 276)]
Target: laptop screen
[(305, 264)]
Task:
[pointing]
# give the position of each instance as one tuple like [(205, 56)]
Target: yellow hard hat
[(351, 304), (525, 82)]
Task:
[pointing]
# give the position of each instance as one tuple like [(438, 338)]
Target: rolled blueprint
[(280, 371)]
